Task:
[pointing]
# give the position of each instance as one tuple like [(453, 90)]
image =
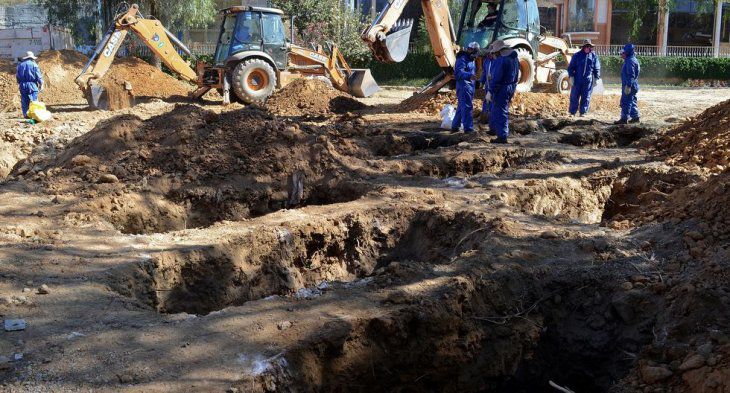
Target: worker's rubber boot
[(499, 141), (635, 120), (621, 122)]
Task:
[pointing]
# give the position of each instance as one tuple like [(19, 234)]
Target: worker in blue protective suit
[(30, 81), (465, 73), (505, 75), (584, 71), (629, 86), (486, 80)]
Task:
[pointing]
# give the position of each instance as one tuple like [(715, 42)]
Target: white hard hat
[(474, 45), (29, 55)]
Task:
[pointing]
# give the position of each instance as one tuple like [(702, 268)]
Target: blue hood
[(629, 50)]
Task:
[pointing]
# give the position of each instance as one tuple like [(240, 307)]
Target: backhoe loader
[(517, 22), (253, 57)]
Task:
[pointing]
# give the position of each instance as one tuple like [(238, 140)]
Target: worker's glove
[(40, 88), (595, 82), (488, 97), (627, 90), (572, 81)]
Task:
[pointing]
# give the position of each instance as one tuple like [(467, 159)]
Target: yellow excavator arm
[(389, 38), (151, 32)]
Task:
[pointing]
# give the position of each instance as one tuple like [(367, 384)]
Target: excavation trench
[(597, 136), (503, 331), (274, 257), (149, 213)]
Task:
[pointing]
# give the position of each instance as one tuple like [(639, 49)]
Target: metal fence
[(670, 51), (139, 49)]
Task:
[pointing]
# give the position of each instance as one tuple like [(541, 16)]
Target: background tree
[(318, 21)]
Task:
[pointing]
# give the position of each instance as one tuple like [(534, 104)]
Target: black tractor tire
[(253, 81), (561, 82), (527, 70)]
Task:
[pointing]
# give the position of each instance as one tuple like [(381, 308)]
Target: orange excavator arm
[(151, 32), (389, 38)]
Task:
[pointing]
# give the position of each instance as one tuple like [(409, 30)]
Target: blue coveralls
[(585, 68), (464, 71), (486, 80), (630, 78), (30, 80), (505, 75)]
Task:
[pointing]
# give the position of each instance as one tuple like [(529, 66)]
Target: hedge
[(423, 65)]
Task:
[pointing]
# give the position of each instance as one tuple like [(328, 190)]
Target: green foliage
[(415, 66), (672, 67), (638, 9), (328, 21), (83, 14)]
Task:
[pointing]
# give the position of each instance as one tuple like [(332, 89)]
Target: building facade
[(688, 24)]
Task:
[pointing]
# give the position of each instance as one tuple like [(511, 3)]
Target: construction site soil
[(194, 247), (312, 98), (60, 69), (532, 104)]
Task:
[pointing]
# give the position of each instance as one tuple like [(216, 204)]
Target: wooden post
[(663, 27)]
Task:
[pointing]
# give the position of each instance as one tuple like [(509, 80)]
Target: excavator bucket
[(394, 48), (111, 97), (362, 84)]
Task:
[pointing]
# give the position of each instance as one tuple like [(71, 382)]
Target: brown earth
[(60, 69), (532, 104), (703, 140), (311, 97), (201, 248)]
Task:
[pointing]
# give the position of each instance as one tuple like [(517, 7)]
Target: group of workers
[(500, 75)]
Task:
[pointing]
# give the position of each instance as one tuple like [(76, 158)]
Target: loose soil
[(60, 69), (311, 97), (533, 104), (703, 140), (202, 248)]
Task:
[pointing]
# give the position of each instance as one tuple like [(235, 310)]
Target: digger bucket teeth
[(97, 96), (362, 84), (394, 48)]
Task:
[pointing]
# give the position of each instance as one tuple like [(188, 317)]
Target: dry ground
[(372, 253)]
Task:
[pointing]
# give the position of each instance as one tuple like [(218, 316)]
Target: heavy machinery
[(253, 57), (517, 22)]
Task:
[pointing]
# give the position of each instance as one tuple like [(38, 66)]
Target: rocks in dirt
[(107, 178), (284, 325), (703, 140), (654, 374), (44, 290), (311, 97), (692, 362), (13, 325)]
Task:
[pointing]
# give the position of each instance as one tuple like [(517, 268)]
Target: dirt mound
[(60, 69), (703, 140), (527, 104), (146, 80), (9, 97), (210, 167), (311, 97)]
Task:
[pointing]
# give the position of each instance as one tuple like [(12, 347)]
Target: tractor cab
[(485, 21), (252, 29)]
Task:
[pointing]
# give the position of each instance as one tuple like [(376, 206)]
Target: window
[(515, 14), (273, 29), (224, 41), (248, 29), (581, 14)]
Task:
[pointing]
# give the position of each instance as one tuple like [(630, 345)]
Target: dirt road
[(196, 248)]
